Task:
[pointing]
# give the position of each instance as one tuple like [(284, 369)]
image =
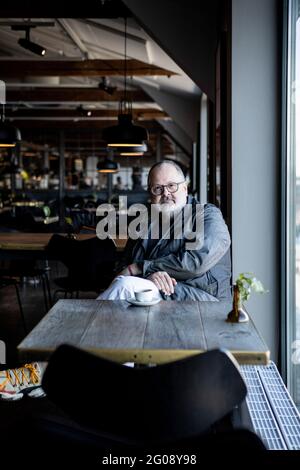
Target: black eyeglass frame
[(163, 186)]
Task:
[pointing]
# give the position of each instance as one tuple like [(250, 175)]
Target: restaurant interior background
[(209, 82)]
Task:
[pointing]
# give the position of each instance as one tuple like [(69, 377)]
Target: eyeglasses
[(158, 189)]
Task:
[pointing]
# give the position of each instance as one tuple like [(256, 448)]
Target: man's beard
[(168, 205), (165, 217)]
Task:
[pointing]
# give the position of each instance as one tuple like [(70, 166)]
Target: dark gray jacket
[(201, 274)]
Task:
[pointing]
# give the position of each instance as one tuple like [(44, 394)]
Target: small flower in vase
[(242, 288)]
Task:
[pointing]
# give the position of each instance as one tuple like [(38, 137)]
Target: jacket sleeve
[(126, 258), (187, 264)]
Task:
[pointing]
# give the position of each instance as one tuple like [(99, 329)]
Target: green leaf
[(257, 286), (246, 282)]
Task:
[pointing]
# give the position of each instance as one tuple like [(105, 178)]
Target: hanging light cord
[(125, 105), (125, 59)]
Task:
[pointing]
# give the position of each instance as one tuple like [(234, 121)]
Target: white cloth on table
[(123, 288)]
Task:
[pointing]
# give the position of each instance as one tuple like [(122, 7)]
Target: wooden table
[(38, 241), (163, 332)]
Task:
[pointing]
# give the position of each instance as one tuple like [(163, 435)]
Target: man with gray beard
[(165, 261)]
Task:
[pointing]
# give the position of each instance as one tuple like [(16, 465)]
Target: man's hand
[(163, 282), (132, 270)]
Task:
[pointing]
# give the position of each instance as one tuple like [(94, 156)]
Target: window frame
[(288, 198)]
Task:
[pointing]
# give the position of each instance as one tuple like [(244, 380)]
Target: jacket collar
[(144, 242)]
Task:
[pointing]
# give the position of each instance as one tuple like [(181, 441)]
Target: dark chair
[(6, 282), (174, 405), (82, 218), (74, 202), (90, 263), (90, 204), (21, 269)]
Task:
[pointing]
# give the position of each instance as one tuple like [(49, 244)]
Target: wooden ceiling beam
[(59, 9), (79, 68), (80, 124), (67, 94), (138, 114)]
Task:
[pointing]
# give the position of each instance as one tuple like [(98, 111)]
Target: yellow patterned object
[(26, 379)]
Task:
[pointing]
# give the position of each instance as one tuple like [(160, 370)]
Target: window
[(291, 184)]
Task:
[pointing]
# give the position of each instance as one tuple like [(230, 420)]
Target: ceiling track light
[(26, 43), (104, 85), (84, 112)]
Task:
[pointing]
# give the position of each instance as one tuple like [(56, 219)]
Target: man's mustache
[(163, 200)]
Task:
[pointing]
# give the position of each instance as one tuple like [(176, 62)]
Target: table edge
[(149, 356)]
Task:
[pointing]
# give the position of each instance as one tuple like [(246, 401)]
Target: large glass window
[(292, 206)]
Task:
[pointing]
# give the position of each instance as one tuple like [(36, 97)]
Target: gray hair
[(165, 162)]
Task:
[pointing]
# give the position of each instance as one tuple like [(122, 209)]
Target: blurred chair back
[(74, 202), (82, 217), (90, 262), (147, 405)]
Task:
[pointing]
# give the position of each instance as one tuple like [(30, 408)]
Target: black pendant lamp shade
[(133, 151), (107, 166), (125, 133), (9, 135)]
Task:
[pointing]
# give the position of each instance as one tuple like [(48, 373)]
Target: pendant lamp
[(133, 151), (125, 133), (107, 166)]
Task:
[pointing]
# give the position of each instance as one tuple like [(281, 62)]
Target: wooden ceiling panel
[(67, 94), (138, 114), (79, 68), (78, 124)]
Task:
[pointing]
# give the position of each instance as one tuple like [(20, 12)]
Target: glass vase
[(238, 314)]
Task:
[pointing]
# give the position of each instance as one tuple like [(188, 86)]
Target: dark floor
[(11, 327)]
